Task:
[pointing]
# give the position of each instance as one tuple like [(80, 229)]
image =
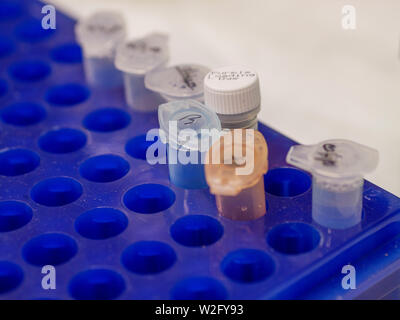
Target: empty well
[(54, 192), (62, 140), (14, 215), (248, 265), (7, 46), (196, 230), (15, 162), (199, 288), (49, 249), (29, 70), (148, 257), (67, 95), (137, 146), (23, 113), (31, 31), (67, 53), (293, 238), (96, 284), (11, 276), (104, 168), (101, 223), (107, 120), (286, 182), (149, 198)]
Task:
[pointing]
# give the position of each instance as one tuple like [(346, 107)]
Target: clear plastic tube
[(99, 35), (189, 127), (233, 92), (137, 57), (338, 168)]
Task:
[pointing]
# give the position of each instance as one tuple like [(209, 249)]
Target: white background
[(318, 80)]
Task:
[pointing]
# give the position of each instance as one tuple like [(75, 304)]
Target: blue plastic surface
[(115, 227)]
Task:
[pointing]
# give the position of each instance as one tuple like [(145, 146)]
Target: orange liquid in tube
[(236, 165)]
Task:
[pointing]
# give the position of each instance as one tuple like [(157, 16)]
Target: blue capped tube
[(189, 129)]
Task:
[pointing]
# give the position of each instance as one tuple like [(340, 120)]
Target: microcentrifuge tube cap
[(232, 173), (335, 159), (183, 81), (232, 90), (100, 33), (140, 56), (189, 114)]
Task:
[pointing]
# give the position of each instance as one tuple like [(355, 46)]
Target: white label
[(231, 75)]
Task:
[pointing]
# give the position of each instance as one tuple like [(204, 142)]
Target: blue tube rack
[(76, 193)]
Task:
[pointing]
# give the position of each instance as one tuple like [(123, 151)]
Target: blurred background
[(319, 80)]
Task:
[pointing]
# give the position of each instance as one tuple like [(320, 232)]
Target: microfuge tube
[(99, 35), (233, 92), (338, 168), (136, 58), (234, 172), (179, 82), (190, 129)]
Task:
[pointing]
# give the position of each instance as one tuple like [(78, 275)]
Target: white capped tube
[(233, 92)]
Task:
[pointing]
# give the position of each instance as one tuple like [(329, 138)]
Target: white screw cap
[(232, 90)]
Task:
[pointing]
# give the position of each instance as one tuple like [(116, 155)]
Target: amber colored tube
[(238, 196), (249, 204)]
